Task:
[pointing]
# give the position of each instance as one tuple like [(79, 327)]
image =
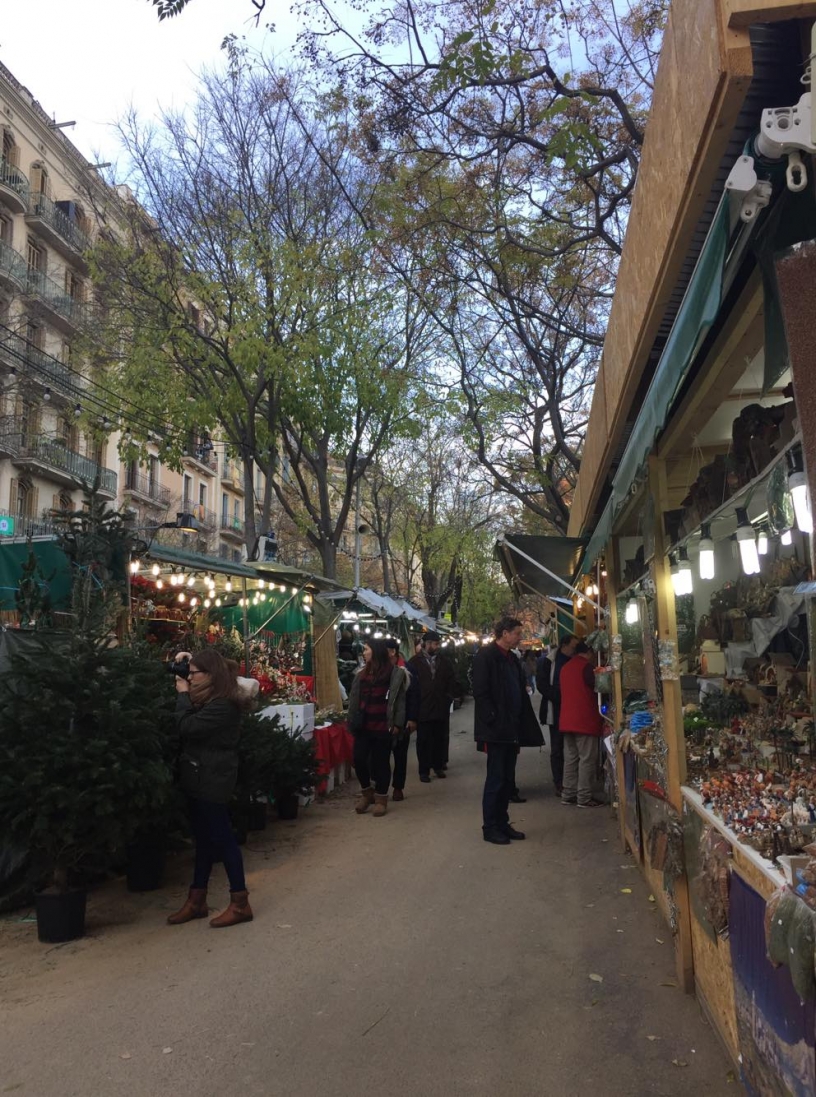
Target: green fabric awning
[(55, 568), (598, 540), (522, 557), (697, 313)]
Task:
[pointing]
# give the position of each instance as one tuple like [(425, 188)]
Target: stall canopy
[(540, 565), (196, 561), (382, 604)]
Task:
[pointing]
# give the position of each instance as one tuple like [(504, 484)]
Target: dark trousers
[(215, 841), (372, 760), (399, 748), (557, 756), (433, 738), (499, 784)]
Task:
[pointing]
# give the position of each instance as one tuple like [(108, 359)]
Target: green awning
[(697, 313), (267, 570), (54, 566), (540, 565), (598, 540)]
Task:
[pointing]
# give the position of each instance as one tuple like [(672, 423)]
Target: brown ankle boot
[(398, 794), (195, 906), (364, 801), (238, 911), (380, 805)]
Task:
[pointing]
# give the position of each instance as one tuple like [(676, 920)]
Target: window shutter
[(34, 502), (35, 179), (56, 504), (13, 155), (13, 496)]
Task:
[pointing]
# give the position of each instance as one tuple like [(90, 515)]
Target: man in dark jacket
[(503, 721), (437, 687), (548, 684)]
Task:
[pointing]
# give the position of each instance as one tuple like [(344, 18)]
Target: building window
[(35, 255), (224, 507), (66, 503), (35, 335), (11, 150), (187, 493), (236, 512), (236, 556), (25, 499), (153, 475), (74, 287), (202, 495), (66, 352), (6, 230)]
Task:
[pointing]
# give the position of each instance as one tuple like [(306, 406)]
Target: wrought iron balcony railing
[(13, 178), (51, 452), (42, 206), (148, 489)]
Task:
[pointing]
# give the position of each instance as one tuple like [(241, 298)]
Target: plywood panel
[(714, 983)]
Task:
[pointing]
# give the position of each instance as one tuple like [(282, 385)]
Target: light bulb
[(134, 567), (307, 609), (240, 601), (193, 601), (786, 538), (686, 583), (228, 585), (706, 561), (156, 570), (191, 581), (261, 584), (746, 539), (307, 598), (218, 601), (182, 597), (798, 487), (356, 628), (262, 597), (159, 584), (632, 615), (207, 603), (762, 542)]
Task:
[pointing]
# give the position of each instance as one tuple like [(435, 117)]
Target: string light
[(207, 603), (746, 539), (228, 585), (685, 581), (261, 584), (156, 570), (193, 601), (762, 541), (218, 601), (706, 561), (134, 567), (182, 597), (798, 486), (632, 615), (159, 584), (191, 581)]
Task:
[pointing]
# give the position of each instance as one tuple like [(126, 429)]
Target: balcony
[(14, 188), (200, 457), (25, 527), (206, 519), (147, 490), (51, 221), (232, 476), (232, 527), (38, 366), (48, 456), (13, 268), (48, 297)]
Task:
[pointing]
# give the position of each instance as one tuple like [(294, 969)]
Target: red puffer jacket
[(579, 702)]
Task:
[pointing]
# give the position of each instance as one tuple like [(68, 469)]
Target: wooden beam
[(746, 14), (672, 717)]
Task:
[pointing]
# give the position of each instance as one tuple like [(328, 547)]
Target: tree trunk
[(250, 529), (328, 554)]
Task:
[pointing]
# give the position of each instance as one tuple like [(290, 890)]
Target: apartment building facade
[(60, 428)]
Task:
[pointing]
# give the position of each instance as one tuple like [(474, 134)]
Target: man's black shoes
[(425, 778), (496, 836), (516, 798), (511, 832), (440, 773)]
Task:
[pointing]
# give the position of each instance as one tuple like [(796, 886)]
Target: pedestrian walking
[(548, 683), (581, 724), (376, 713), (401, 742), (437, 687), (504, 720), (208, 718)]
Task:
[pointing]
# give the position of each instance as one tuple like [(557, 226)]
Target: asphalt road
[(390, 956)]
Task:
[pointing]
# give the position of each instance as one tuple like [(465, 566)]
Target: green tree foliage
[(85, 726), (252, 297)]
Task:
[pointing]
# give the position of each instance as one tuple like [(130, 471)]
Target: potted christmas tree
[(83, 757)]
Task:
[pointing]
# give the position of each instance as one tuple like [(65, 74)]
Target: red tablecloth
[(334, 745)]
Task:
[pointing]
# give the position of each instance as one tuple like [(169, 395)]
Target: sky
[(88, 60)]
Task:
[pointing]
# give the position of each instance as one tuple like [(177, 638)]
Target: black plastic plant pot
[(60, 915), (145, 867), (288, 806), (257, 815)]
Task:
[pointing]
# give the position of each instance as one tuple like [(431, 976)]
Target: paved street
[(389, 956)]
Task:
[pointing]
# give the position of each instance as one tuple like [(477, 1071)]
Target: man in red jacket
[(581, 723)]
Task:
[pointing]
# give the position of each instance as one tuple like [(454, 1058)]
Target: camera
[(180, 668)]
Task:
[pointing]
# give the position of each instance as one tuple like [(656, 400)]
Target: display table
[(334, 747), (306, 680)]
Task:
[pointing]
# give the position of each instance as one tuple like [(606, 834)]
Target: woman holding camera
[(208, 717), (376, 714)]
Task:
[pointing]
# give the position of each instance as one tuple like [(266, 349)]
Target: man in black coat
[(503, 721), (548, 679), (437, 687)]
